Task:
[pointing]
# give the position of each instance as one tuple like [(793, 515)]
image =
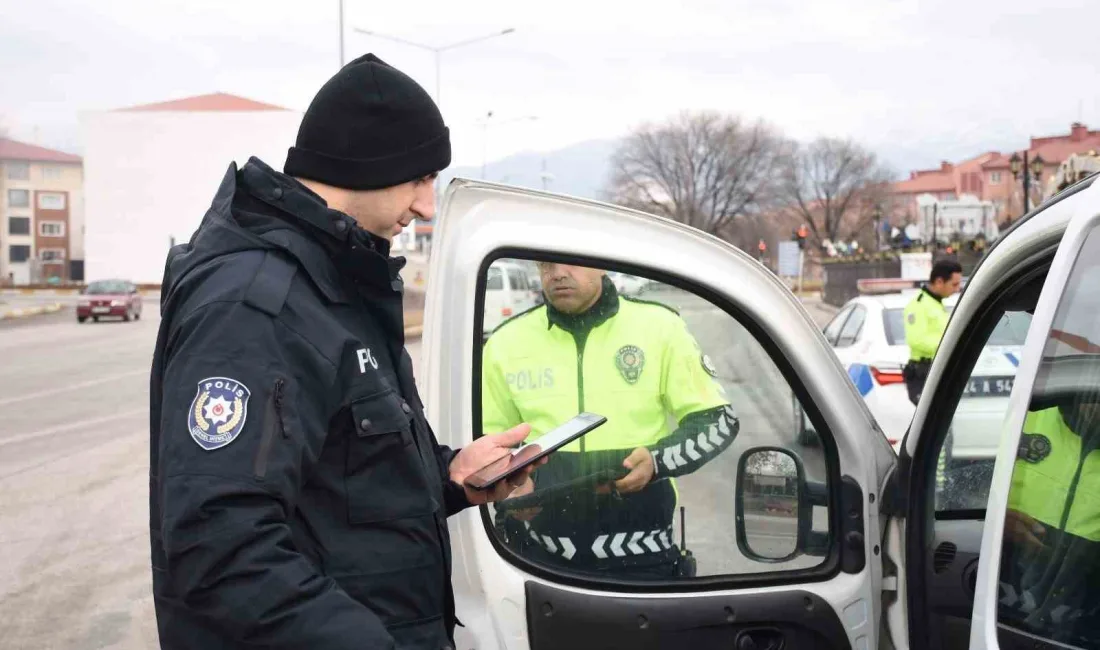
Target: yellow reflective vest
[(1048, 460), (925, 321), (641, 368)]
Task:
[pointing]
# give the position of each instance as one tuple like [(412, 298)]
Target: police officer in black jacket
[(298, 497)]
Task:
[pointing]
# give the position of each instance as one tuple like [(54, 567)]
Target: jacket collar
[(605, 307), (931, 295), (335, 250)]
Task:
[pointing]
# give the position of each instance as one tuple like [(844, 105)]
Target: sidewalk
[(8, 312), (821, 312)]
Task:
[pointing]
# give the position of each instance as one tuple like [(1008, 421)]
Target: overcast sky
[(915, 80)]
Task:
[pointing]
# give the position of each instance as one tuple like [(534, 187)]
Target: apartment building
[(988, 176), (42, 201)]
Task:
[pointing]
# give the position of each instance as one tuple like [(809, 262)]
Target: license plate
[(989, 387), (100, 310)]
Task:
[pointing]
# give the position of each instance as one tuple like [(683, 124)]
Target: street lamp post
[(341, 33), (437, 51), (1021, 166)]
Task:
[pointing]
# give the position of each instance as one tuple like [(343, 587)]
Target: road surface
[(74, 475)]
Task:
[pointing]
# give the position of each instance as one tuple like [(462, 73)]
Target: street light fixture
[(1020, 166), (436, 50)]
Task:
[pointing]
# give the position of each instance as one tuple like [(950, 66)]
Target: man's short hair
[(944, 269)]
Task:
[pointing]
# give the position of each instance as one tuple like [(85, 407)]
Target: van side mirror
[(774, 506)]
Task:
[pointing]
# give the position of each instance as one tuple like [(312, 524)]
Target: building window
[(51, 173), (19, 225), (52, 254), (995, 178), (51, 228), (51, 201), (19, 253), (19, 171), (19, 198)]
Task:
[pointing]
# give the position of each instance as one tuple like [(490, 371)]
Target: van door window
[(1050, 555)]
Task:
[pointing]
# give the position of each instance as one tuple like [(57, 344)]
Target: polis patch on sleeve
[(217, 414)]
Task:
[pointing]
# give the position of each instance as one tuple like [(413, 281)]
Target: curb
[(23, 312)]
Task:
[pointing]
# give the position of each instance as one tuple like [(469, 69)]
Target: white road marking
[(71, 387), (81, 424)]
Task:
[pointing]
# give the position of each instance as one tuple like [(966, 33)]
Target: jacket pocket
[(384, 475), (273, 427)]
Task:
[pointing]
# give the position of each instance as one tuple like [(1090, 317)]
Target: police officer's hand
[(486, 450), (640, 464), (1024, 530), (527, 514)]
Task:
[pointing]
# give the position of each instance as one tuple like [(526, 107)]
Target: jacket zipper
[(581, 340), (273, 420)]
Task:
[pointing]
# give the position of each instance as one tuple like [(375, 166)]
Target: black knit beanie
[(369, 127)]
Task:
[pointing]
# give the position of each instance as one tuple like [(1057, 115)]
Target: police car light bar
[(875, 286)]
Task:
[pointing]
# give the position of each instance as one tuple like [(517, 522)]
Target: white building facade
[(949, 219), (151, 173)]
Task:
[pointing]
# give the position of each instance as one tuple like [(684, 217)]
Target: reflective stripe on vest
[(1041, 486)]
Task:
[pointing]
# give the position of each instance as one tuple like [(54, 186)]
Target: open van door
[(777, 544), (991, 536)]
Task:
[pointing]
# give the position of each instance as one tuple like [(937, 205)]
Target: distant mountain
[(579, 170)]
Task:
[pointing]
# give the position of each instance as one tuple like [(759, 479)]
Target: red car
[(109, 298)]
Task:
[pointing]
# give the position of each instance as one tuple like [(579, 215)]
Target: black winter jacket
[(297, 496)]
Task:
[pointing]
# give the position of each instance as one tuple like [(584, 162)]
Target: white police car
[(868, 337)]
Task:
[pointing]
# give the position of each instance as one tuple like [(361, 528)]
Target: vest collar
[(931, 295)]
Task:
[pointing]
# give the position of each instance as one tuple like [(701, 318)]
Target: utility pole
[(1027, 185), (341, 32), (935, 218)]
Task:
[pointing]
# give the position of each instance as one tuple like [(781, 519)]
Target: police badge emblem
[(630, 360), (218, 412), (1033, 448)]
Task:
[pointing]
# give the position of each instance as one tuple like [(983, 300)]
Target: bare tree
[(836, 187), (706, 170)]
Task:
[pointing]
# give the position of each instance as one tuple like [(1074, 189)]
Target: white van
[(858, 550), (510, 289)]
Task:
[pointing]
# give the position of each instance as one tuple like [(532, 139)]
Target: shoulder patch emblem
[(1034, 447), (630, 360), (218, 412), (912, 319), (708, 366)]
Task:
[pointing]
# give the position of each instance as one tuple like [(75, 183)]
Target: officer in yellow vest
[(1052, 525), (587, 348), (925, 322)]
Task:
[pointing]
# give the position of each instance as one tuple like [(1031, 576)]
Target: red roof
[(216, 102), (14, 150), (926, 182)]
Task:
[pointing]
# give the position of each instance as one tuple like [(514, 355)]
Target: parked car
[(109, 299), (628, 285), (868, 337)]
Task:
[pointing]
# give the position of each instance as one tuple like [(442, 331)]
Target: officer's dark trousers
[(915, 374)]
